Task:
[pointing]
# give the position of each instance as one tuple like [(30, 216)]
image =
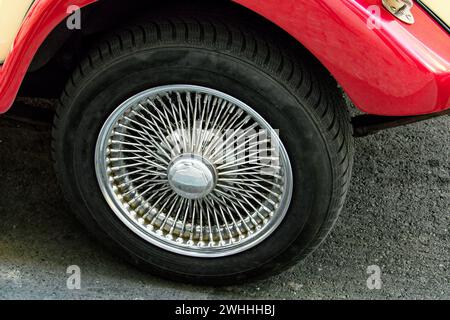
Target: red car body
[(395, 69)]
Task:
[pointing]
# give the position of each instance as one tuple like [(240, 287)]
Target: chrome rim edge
[(150, 146)]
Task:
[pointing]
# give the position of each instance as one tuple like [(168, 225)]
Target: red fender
[(397, 69), (394, 69), (41, 19)]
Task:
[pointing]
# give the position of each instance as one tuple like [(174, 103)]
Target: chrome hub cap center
[(191, 176)]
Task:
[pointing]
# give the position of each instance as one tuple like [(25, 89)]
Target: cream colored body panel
[(12, 13), (441, 8)]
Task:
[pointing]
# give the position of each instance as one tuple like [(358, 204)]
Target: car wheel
[(201, 152)]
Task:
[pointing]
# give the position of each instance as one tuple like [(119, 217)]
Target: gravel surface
[(397, 217)]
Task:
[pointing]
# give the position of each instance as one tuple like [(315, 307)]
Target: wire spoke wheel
[(194, 171), (191, 183)]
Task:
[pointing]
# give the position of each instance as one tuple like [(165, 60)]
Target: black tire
[(299, 98)]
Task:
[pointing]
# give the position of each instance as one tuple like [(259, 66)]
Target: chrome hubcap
[(191, 176), (193, 171)]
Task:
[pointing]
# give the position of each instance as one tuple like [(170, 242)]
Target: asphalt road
[(397, 217)]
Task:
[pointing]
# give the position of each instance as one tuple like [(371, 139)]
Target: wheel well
[(64, 49)]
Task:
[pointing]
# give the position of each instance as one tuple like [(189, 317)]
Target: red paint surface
[(397, 69), (42, 18)]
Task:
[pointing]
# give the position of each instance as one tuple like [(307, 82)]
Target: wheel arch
[(62, 49), (391, 69)]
